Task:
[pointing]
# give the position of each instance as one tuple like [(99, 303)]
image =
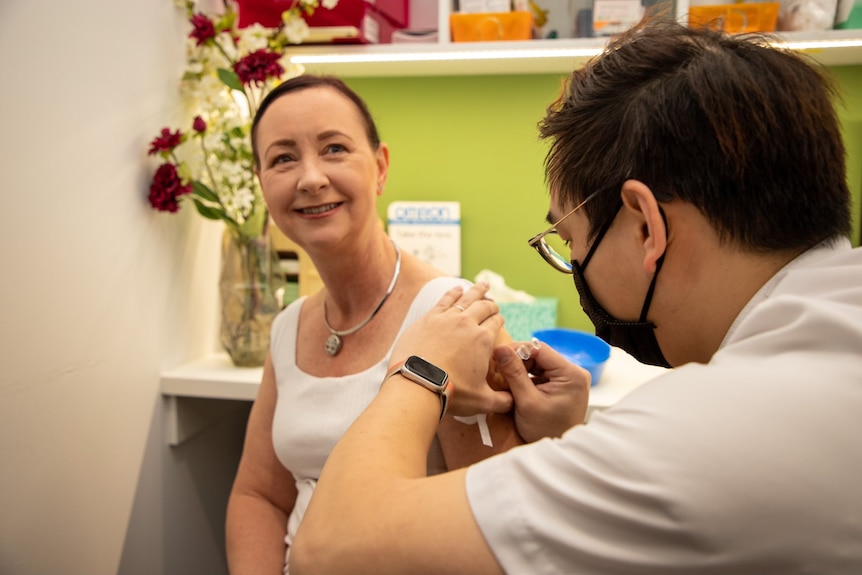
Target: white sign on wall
[(430, 231)]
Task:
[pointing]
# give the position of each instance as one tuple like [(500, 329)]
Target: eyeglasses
[(548, 252)]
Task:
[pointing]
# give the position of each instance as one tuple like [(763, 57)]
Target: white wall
[(99, 293)]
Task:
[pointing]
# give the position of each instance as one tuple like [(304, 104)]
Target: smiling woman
[(229, 69), (321, 175)]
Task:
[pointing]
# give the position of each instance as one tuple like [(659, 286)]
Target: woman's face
[(319, 174)]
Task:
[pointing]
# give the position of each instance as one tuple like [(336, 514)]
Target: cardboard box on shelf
[(268, 13), (398, 11), (423, 15), (422, 23), (371, 26), (351, 21)]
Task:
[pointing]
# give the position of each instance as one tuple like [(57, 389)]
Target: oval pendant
[(333, 344)]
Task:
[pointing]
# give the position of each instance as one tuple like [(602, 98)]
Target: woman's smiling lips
[(318, 210)]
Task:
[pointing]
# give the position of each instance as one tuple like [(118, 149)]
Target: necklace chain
[(334, 342)]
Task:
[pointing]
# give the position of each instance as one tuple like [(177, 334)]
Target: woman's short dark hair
[(305, 82), (745, 132)]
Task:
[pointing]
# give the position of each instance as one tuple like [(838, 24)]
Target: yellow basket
[(491, 26), (736, 18)]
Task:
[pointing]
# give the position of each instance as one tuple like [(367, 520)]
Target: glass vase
[(249, 286)]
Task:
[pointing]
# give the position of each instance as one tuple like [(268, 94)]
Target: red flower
[(204, 29), (165, 142), (258, 66), (199, 125), (167, 188)]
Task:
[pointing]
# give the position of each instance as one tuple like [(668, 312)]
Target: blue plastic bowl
[(579, 347)]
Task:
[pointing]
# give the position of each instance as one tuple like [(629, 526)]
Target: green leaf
[(253, 226), (201, 190), (230, 79), (208, 212)]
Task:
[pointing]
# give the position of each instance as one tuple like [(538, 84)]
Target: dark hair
[(745, 132), (305, 82)]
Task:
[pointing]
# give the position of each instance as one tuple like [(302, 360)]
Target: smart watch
[(428, 376)]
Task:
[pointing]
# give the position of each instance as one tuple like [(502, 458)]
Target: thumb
[(500, 402), (510, 366)]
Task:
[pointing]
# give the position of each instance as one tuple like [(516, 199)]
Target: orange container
[(736, 18), (491, 26)]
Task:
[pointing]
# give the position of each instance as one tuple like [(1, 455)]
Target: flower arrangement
[(229, 71)]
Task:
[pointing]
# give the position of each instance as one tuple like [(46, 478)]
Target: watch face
[(425, 370)]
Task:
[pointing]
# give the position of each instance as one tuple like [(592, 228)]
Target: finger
[(481, 311), (475, 293), (490, 317), (515, 373), (449, 298)]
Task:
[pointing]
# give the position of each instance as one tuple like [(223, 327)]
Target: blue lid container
[(579, 347)]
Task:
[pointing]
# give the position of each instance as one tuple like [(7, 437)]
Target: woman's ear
[(639, 202), (382, 167)]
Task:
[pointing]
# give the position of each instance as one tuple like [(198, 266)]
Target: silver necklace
[(334, 342)]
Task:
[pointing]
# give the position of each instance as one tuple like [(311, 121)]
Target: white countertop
[(622, 374)]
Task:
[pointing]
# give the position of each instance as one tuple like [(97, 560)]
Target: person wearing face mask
[(699, 182), (636, 337)]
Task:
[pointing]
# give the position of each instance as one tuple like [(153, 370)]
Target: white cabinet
[(834, 47)]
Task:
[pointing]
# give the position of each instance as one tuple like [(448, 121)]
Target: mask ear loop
[(658, 264), (600, 236)]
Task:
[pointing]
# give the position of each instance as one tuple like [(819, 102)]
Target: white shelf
[(203, 392), (191, 390), (832, 48), (212, 377)]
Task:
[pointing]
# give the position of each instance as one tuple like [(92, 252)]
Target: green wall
[(474, 139)]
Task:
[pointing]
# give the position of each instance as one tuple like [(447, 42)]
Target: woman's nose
[(312, 177)]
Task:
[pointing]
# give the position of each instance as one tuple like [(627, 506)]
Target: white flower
[(221, 157), (296, 30), (291, 70), (227, 47), (251, 38), (240, 204), (195, 68)]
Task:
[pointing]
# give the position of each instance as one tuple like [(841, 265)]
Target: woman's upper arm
[(463, 443), (260, 472)]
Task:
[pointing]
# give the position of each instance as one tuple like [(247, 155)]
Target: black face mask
[(635, 337)]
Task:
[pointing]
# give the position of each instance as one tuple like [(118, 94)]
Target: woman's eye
[(282, 159), (335, 148)]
